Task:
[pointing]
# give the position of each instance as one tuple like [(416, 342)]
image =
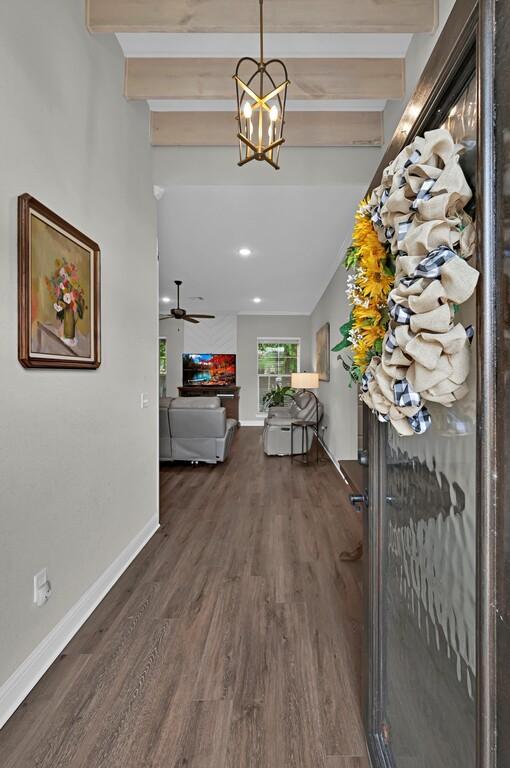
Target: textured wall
[(218, 336)]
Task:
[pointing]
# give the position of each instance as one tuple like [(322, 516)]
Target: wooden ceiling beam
[(302, 129), (310, 78), (281, 16)]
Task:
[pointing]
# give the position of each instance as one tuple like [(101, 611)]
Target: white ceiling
[(295, 234), (295, 221)]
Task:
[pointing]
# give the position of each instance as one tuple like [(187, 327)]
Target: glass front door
[(425, 656)]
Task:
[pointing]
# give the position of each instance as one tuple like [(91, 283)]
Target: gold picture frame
[(58, 291), (322, 352)]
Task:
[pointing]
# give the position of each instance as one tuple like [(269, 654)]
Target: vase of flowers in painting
[(68, 299)]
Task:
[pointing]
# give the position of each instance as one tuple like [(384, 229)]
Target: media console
[(229, 396)]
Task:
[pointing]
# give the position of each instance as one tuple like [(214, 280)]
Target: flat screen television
[(208, 370)]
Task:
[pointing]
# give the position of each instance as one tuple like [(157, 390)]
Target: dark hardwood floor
[(232, 641)]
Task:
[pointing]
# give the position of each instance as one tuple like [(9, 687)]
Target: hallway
[(233, 640)]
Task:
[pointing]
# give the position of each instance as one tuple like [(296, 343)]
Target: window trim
[(284, 339)]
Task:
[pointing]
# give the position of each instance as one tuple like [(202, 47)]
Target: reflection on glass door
[(427, 566)]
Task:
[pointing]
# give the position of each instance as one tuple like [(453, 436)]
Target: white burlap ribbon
[(419, 210)]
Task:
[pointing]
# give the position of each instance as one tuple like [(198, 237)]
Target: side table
[(304, 426)]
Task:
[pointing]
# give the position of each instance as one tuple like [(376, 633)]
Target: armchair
[(277, 425), (194, 429)]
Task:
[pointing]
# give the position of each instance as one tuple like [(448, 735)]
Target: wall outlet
[(42, 588), (144, 400)]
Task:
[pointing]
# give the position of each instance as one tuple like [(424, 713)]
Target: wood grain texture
[(232, 641), (189, 78), (280, 16), (302, 129)]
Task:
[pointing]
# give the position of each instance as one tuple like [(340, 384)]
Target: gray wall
[(78, 456), (340, 401), (249, 329)]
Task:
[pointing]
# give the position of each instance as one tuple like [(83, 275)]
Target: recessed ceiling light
[(256, 300), (166, 300), (244, 252)]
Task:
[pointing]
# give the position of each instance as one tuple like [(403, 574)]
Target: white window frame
[(277, 339)]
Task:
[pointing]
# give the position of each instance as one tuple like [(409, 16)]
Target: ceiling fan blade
[(165, 317), (190, 319), (193, 314)]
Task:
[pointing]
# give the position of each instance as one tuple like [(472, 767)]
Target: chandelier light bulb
[(273, 113), (248, 111)]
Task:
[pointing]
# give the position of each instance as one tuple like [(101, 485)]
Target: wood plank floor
[(232, 641)]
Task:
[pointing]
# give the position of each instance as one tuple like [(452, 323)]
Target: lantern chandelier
[(261, 105)]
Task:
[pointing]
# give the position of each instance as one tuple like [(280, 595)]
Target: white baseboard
[(21, 682), (335, 462), (252, 423)]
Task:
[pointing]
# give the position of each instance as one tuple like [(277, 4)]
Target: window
[(277, 360), (163, 361)]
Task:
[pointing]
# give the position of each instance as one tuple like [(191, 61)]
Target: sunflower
[(372, 333), (376, 283), (367, 315), (367, 291), (372, 255), (362, 231), (360, 356)]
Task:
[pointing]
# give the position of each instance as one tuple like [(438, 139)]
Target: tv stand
[(229, 396)]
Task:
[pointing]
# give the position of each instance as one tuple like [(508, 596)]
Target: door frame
[(467, 44)]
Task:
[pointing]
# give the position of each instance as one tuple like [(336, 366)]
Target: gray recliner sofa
[(194, 429), (277, 425)]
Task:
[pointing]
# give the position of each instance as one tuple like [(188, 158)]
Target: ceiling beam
[(302, 129), (281, 16), (310, 78)]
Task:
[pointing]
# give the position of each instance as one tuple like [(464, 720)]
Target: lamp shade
[(305, 380)]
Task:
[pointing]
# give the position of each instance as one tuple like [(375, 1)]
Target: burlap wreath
[(419, 211)]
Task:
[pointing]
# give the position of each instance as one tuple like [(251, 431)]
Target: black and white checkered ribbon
[(404, 394), (431, 265), (413, 159), (424, 193), (400, 313), (390, 344), (376, 214), (403, 229), (365, 380), (420, 422)]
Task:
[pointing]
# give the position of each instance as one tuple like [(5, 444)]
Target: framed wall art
[(58, 291), (322, 351)]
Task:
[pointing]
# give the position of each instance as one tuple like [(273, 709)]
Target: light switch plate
[(144, 400), (42, 587)]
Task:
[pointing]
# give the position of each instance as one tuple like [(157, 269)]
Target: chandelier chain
[(261, 32)]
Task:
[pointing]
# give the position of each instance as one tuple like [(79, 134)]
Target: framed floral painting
[(58, 286)]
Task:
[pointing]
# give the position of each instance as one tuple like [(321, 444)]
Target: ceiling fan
[(178, 313)]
